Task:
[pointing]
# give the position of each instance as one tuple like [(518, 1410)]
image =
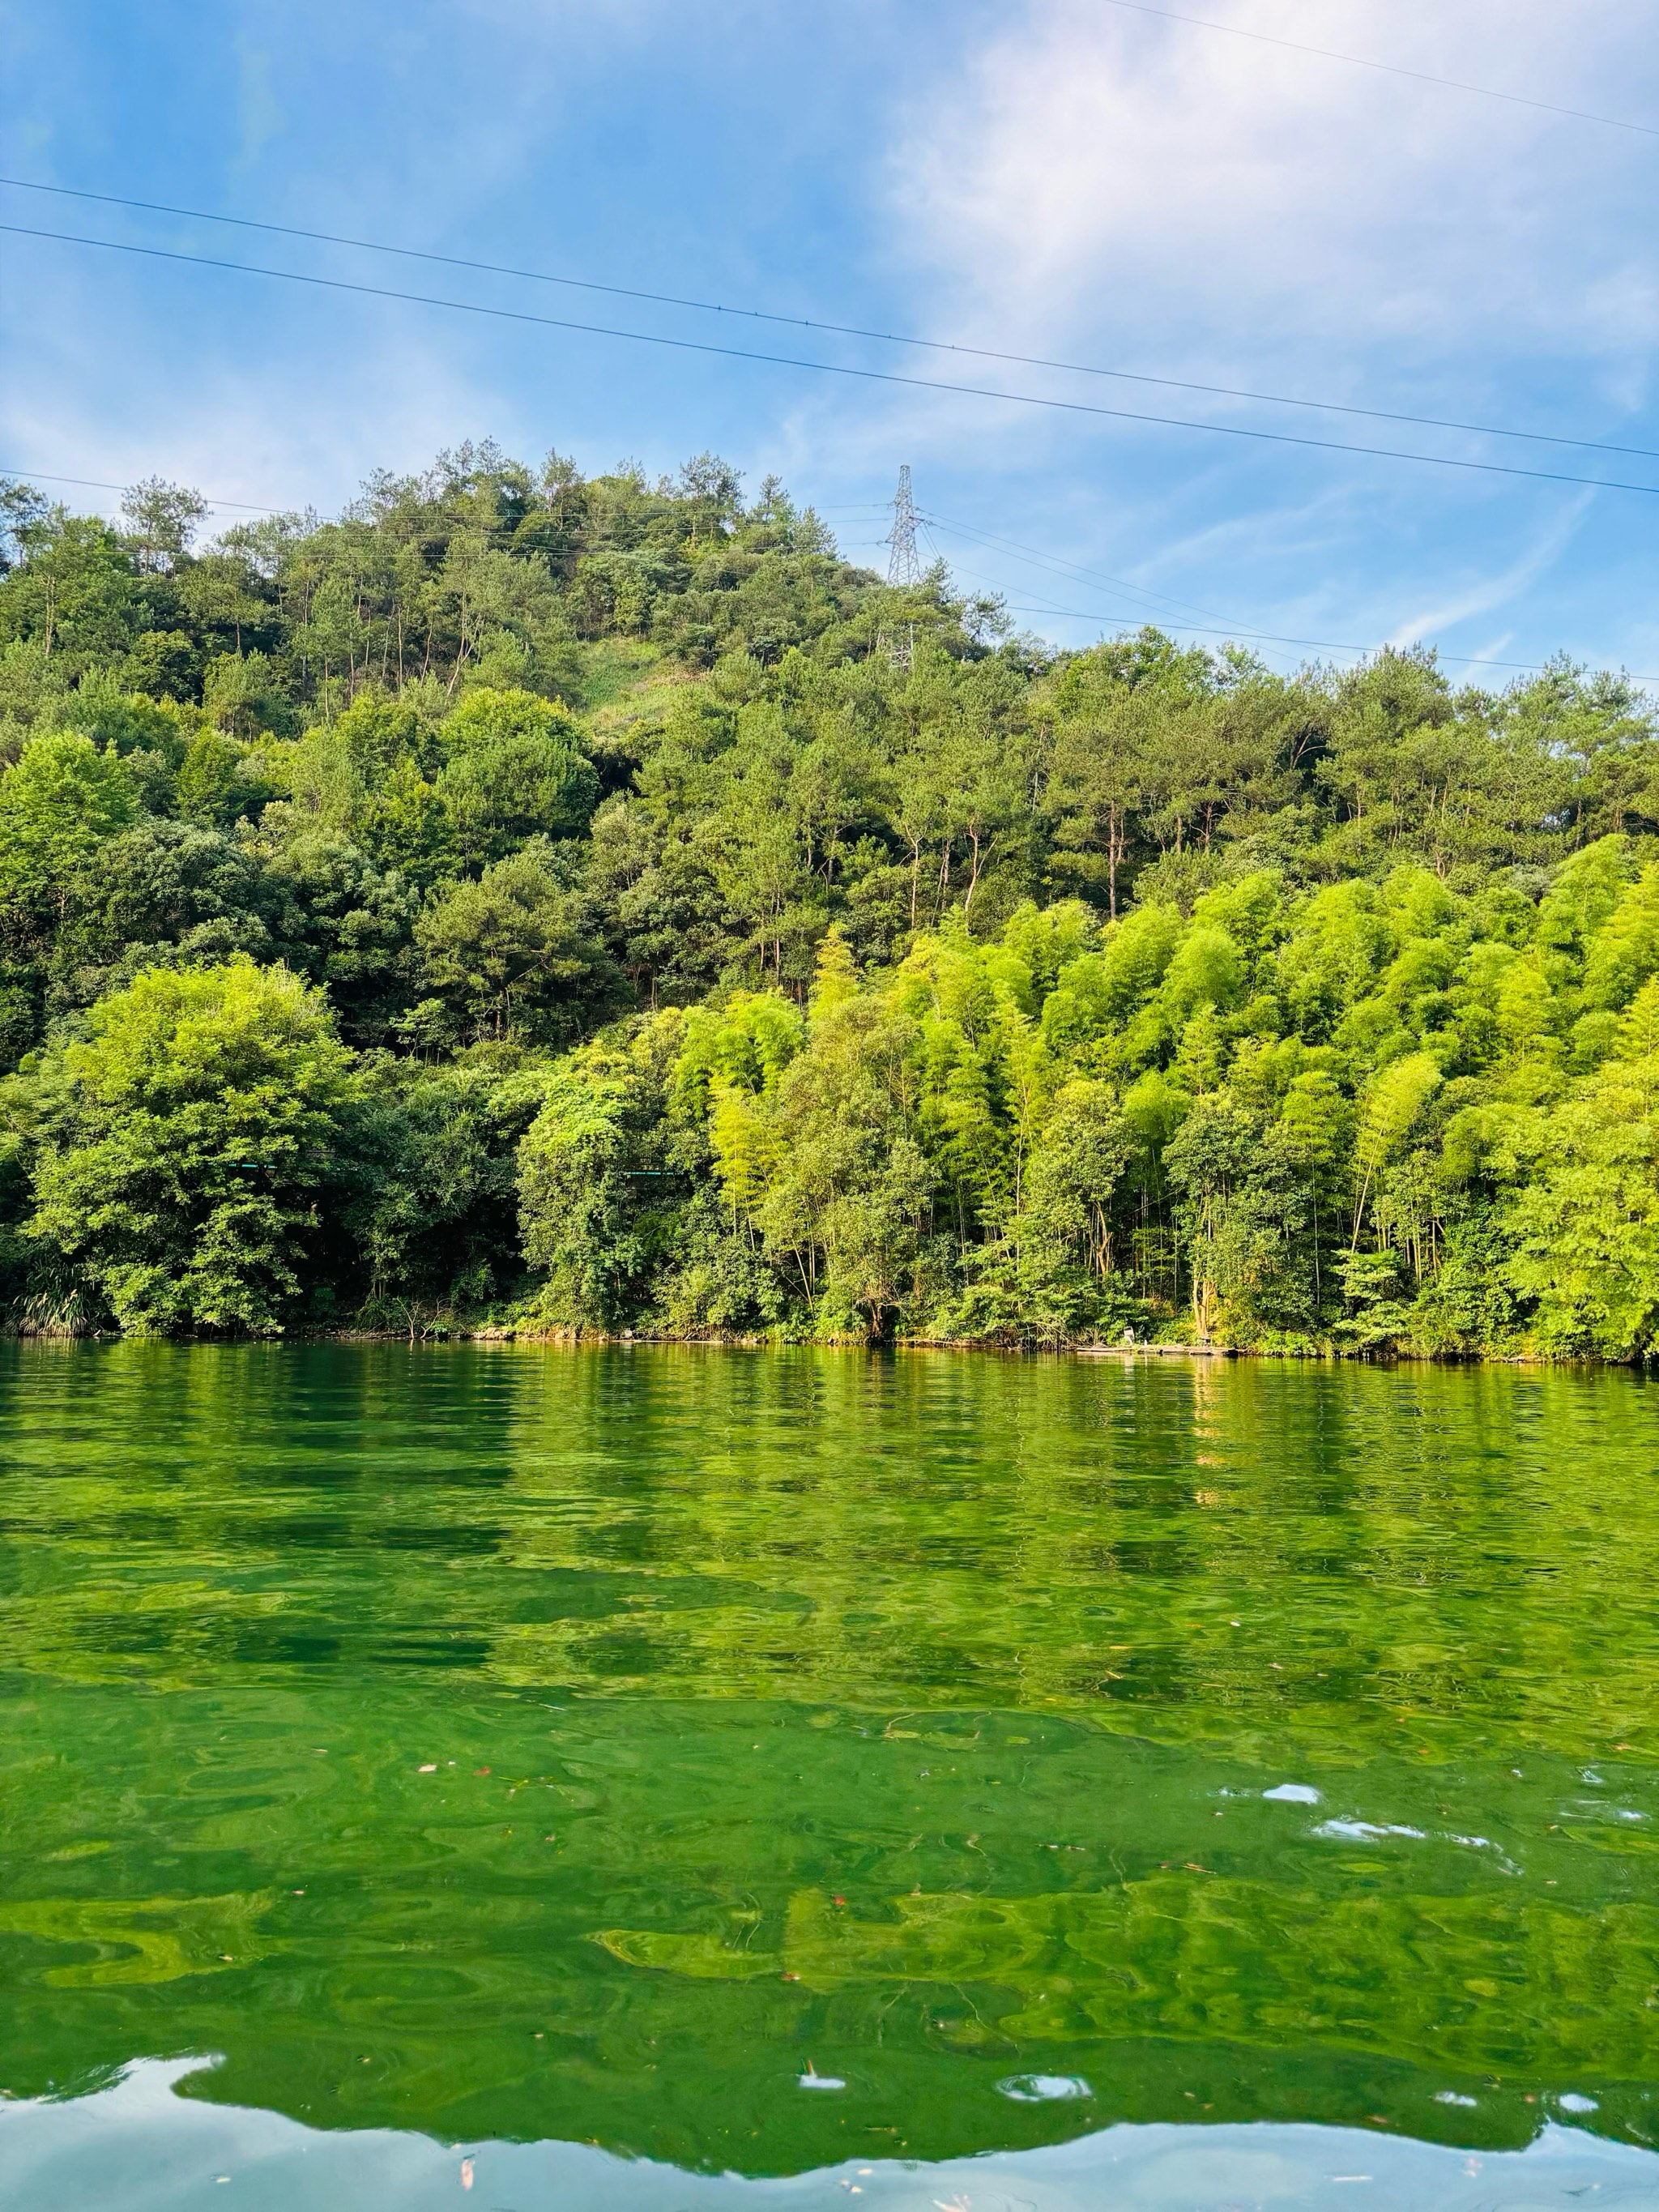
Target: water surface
[(670, 1777)]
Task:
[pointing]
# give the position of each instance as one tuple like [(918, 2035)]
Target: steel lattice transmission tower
[(903, 570), (902, 566)]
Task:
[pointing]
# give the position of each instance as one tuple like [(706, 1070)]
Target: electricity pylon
[(903, 570), (902, 566)]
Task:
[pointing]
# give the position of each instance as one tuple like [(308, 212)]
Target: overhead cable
[(1069, 569), (839, 368), (1319, 644), (1386, 69), (844, 329), (98, 483), (1219, 628)]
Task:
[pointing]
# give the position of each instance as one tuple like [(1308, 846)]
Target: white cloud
[(1179, 196)]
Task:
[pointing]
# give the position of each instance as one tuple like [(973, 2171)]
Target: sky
[(1083, 181)]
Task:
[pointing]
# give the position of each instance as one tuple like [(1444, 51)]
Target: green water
[(550, 1758)]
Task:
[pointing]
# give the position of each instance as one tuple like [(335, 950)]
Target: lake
[(510, 1776)]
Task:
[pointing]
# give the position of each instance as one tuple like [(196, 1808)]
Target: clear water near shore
[(1186, 1784)]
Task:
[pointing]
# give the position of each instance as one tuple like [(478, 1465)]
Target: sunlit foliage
[(685, 963)]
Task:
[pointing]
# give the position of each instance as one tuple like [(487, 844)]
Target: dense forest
[(533, 901)]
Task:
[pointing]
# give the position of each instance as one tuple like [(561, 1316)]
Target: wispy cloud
[(1483, 595), (1174, 195)]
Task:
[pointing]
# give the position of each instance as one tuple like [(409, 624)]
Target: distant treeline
[(539, 901)]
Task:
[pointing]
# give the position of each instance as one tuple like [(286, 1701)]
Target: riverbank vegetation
[(591, 904)]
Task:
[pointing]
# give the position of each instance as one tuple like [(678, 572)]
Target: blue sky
[(1057, 177)]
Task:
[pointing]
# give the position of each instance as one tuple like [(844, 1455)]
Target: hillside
[(546, 903)]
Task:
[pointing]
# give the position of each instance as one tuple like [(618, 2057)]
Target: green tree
[(1084, 1149), (1391, 1108), (198, 1150), (1585, 1222), (56, 806), (439, 1231), (509, 955), (515, 770), (599, 1193), (159, 892), (1244, 1207)]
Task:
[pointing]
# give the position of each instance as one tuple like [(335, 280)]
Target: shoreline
[(579, 1339)]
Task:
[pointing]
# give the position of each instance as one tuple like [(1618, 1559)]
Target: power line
[(838, 369), (1220, 628), (1129, 612), (839, 330), (1319, 644), (97, 483), (251, 507), (1228, 631), (1069, 569), (1386, 69)]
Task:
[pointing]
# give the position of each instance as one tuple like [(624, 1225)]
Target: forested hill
[(546, 903)]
